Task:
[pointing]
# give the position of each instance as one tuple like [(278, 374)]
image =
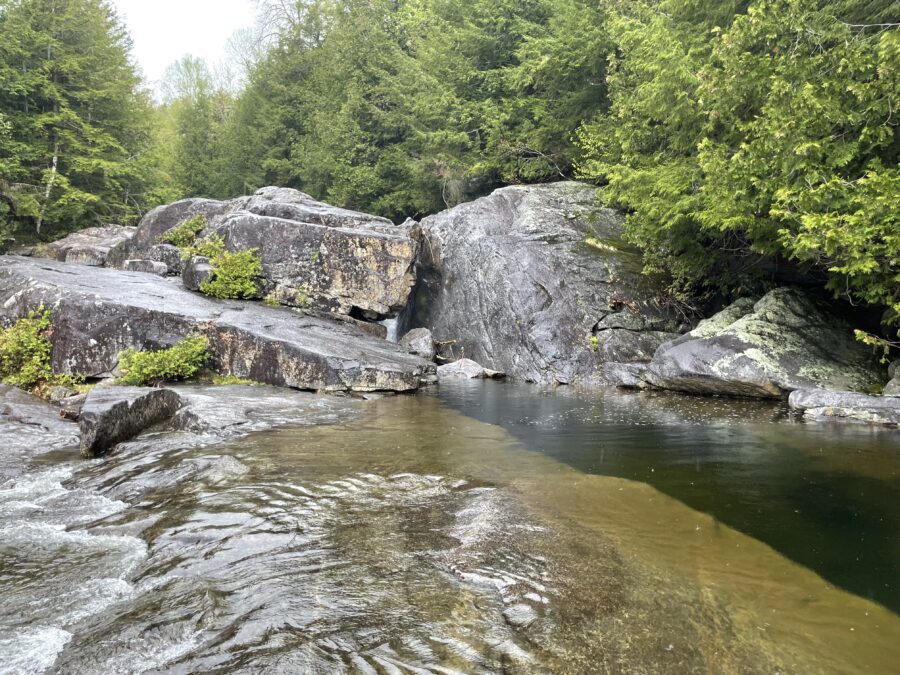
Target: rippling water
[(481, 528)]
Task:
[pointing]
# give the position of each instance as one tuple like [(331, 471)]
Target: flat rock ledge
[(846, 406), (99, 312), (111, 415)]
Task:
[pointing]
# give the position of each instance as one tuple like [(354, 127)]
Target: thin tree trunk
[(50, 182)]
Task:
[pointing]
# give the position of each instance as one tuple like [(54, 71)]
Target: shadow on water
[(826, 497)]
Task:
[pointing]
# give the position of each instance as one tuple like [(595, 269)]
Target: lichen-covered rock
[(97, 313), (845, 406), (111, 415), (524, 279), (313, 255), (168, 254), (347, 271), (146, 267), (785, 341), (892, 388), (419, 341), (87, 247)]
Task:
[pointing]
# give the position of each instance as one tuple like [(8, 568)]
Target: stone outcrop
[(111, 415), (87, 247), (419, 341), (785, 341), (98, 312), (536, 281), (845, 406), (147, 267), (313, 254), (892, 388)]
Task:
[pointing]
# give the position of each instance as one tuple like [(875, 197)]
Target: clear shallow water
[(400, 535)]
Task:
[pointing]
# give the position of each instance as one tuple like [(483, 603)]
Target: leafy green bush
[(25, 351), (186, 232), (236, 275), (181, 362)]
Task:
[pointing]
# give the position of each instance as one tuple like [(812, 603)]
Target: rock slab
[(536, 281), (88, 247), (111, 415), (846, 406), (785, 341), (99, 312)]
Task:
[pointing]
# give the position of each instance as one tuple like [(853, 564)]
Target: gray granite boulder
[(97, 313), (845, 406), (537, 281), (111, 415), (419, 341), (787, 340), (465, 369), (87, 247)]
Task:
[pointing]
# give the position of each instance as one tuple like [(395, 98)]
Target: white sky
[(165, 30)]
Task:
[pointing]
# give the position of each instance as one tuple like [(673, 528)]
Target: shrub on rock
[(181, 362), (25, 352)]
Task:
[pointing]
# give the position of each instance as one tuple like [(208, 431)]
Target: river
[(476, 527)]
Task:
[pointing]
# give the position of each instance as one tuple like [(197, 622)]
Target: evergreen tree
[(77, 119)]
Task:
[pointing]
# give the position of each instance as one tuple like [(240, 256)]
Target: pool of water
[(478, 527)]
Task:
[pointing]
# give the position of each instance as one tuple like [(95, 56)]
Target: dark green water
[(825, 496)]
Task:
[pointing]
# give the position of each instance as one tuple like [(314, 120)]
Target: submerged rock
[(313, 254), (111, 415), (785, 341), (846, 406), (97, 313), (28, 423), (536, 281), (419, 341), (87, 247)]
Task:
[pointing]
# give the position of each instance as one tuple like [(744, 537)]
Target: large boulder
[(90, 246), (419, 341), (845, 406), (313, 254), (111, 415), (99, 312), (536, 281), (787, 340)]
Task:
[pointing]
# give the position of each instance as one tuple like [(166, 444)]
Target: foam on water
[(31, 650)]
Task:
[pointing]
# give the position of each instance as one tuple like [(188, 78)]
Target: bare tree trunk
[(50, 183)]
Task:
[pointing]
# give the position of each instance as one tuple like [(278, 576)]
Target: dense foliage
[(738, 135), (180, 362), (25, 353), (741, 132), (184, 235), (74, 124)]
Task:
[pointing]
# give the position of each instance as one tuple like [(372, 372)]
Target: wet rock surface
[(32, 425), (785, 341), (147, 267), (111, 415), (97, 313), (523, 279), (466, 369), (90, 246), (846, 406)]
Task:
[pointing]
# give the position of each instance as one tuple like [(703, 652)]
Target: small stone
[(196, 272), (520, 616)]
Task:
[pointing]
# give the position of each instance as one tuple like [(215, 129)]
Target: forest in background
[(734, 134)]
